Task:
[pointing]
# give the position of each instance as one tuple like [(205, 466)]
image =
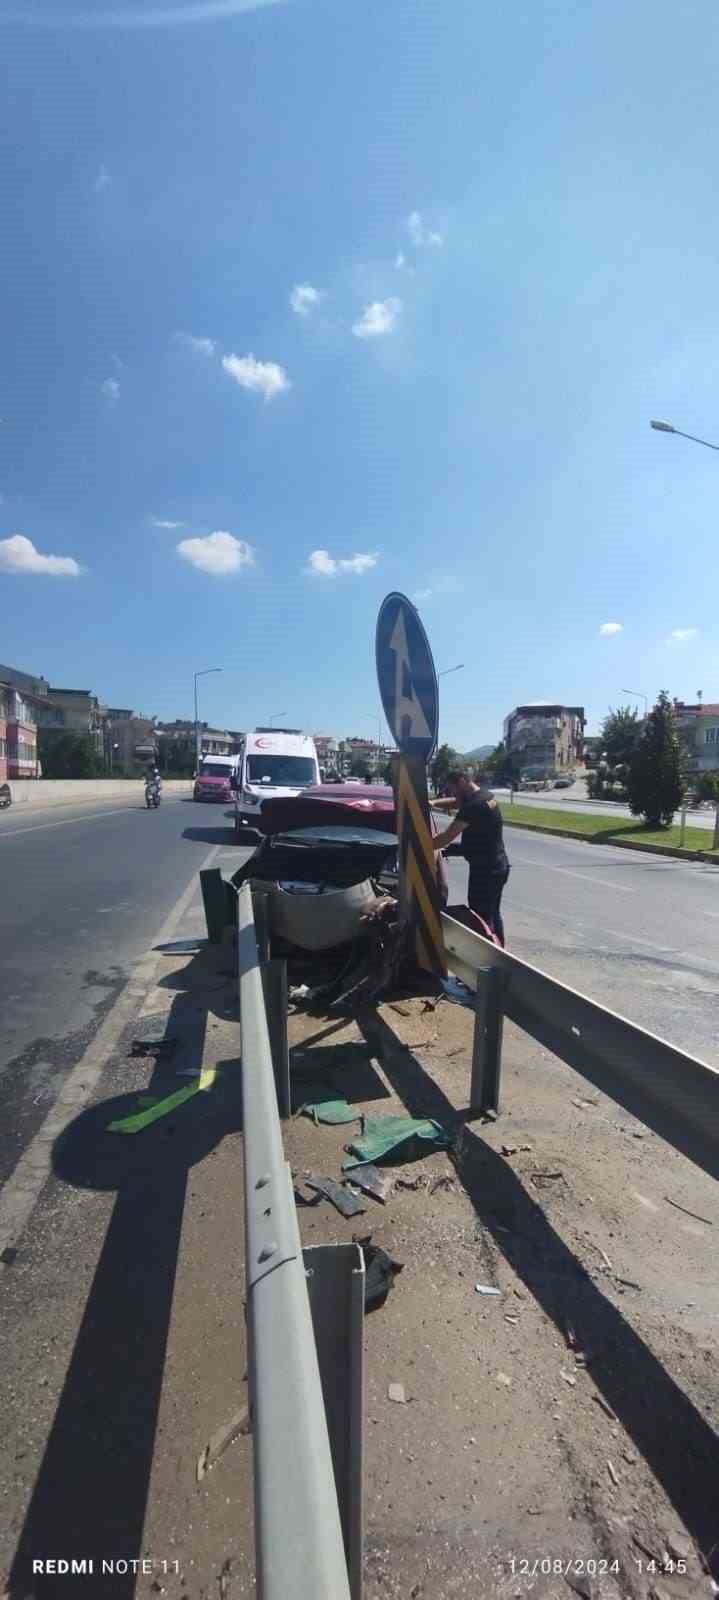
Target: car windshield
[(281, 772), (213, 769)]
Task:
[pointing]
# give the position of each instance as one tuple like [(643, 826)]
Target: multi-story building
[(698, 728), (22, 699), (77, 711), (130, 740), (545, 738)]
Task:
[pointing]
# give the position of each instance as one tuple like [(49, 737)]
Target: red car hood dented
[(335, 804)]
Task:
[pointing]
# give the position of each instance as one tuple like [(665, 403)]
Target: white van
[(272, 761)]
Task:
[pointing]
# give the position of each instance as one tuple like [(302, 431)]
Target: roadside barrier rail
[(673, 1093), (300, 1549)]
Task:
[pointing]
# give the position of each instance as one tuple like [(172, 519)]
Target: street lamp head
[(662, 427)]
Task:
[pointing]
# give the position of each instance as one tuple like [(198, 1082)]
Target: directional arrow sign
[(407, 679)]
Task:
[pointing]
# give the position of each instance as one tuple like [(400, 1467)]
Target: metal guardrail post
[(487, 1045), (336, 1283), (298, 1531), (675, 1094), (214, 899)]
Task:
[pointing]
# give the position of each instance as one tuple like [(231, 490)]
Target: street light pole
[(641, 697), (668, 427), (277, 714), (458, 668), (198, 751)]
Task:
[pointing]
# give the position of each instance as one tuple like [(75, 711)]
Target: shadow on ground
[(679, 1446), (91, 1492)]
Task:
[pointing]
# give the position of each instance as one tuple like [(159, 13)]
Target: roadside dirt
[(570, 1419)]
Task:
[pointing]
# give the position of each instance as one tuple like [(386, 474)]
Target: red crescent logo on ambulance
[(263, 744)]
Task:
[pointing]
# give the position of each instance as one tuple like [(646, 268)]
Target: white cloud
[(320, 564), (111, 390), (160, 522), (377, 318), (262, 377), (102, 180), (418, 234), (304, 297), (18, 554), (219, 553), (200, 347), (683, 635), (609, 628)]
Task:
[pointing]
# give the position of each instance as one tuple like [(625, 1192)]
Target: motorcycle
[(152, 794)]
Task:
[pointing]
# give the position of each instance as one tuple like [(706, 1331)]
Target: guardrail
[(675, 1094), (305, 1378)]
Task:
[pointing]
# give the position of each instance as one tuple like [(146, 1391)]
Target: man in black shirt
[(479, 820)]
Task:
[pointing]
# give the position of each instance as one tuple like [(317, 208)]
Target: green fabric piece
[(335, 1111), (382, 1136)]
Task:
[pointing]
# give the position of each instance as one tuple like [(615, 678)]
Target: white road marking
[(22, 1190), (118, 811), (547, 866), (594, 929)]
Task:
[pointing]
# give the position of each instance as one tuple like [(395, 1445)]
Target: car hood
[(213, 783), (282, 813)]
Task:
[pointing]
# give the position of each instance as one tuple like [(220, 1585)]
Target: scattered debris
[(510, 1149), (677, 1207), (504, 1379), (143, 1119), (443, 1181), (371, 1181), (306, 1199), (614, 1475), (152, 1038), (458, 992), (629, 1457), (628, 1283), (510, 1316), (224, 1579), (679, 1546), (331, 1111), (458, 1052), (348, 1204), (419, 1180), (605, 1258), (605, 1406), (570, 1336), (429, 1005), (382, 1136), (402, 1011), (298, 991), (9, 1256), (380, 1272), (237, 1427), (542, 1179), (568, 1378), (396, 1392), (486, 1288), (582, 1101), (580, 1583)]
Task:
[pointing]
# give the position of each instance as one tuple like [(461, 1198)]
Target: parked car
[(563, 783), (213, 779)]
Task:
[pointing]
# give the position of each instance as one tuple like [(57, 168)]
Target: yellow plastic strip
[(143, 1119)]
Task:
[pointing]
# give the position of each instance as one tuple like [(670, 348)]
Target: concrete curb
[(619, 844)]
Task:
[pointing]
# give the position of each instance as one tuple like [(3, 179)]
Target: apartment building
[(547, 739)]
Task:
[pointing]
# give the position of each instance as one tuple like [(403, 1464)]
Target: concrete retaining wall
[(71, 791)]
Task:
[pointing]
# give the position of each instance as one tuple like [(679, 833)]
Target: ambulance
[(272, 762)]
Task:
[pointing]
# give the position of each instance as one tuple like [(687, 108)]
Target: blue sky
[(508, 216)]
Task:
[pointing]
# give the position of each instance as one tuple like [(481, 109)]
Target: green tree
[(67, 755), (655, 781), (445, 759), (620, 735), (707, 787), (176, 757), (359, 766)]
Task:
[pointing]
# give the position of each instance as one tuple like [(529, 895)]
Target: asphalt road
[(636, 932), (85, 891)]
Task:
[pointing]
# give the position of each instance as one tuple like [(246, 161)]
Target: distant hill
[(479, 754)]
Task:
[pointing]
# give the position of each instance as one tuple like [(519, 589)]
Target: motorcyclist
[(152, 779)]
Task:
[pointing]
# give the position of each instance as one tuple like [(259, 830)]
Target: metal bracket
[(487, 1047), (271, 1231)]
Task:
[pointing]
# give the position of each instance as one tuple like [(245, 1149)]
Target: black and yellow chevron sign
[(418, 893)]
